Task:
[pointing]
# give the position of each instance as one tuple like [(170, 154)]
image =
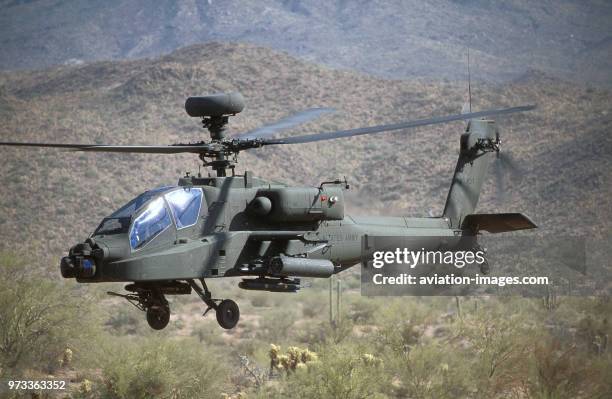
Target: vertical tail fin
[(478, 145)]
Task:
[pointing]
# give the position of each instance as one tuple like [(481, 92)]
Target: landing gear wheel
[(228, 314), (158, 317)]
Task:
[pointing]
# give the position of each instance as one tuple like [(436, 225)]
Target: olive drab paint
[(269, 234)]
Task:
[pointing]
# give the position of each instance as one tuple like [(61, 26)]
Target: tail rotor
[(505, 167)]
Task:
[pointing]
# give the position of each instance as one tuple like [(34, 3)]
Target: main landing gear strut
[(150, 298), (227, 310)]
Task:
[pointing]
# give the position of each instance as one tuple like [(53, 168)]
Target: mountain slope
[(50, 199), (401, 39)]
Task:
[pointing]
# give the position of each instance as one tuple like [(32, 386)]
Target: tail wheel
[(158, 317), (228, 314)]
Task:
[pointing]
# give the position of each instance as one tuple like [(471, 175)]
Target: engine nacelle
[(299, 204)]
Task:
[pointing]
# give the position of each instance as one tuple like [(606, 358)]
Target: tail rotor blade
[(504, 166), (508, 162)]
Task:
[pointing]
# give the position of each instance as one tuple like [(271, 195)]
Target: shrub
[(430, 371), (561, 372), (362, 310), (314, 305), (39, 319), (125, 320), (342, 371), (276, 324), (323, 332), (293, 359), (497, 347), (156, 367)]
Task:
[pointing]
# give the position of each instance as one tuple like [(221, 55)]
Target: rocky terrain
[(399, 39)]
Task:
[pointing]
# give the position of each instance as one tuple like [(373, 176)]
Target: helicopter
[(168, 239)]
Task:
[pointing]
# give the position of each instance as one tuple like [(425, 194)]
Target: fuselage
[(228, 235), (242, 225)]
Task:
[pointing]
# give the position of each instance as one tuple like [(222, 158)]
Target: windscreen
[(149, 223), (185, 206), (119, 221)]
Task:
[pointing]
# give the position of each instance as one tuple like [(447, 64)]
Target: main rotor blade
[(285, 123), (309, 138), (143, 149)]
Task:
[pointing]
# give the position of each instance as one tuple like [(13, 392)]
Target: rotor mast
[(215, 111), (217, 126)]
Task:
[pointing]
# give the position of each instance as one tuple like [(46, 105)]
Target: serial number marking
[(36, 385)]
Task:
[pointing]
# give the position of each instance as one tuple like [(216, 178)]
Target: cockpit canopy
[(153, 211)]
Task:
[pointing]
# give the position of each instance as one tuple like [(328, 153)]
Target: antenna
[(469, 79)]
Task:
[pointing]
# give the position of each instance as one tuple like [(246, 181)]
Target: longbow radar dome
[(215, 105)]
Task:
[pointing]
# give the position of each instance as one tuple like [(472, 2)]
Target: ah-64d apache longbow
[(166, 239)]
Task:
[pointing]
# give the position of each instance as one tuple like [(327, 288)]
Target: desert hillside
[(399, 39), (52, 198), (285, 345)]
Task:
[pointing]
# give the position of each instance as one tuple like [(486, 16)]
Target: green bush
[(317, 333), (39, 318), (157, 367), (125, 319), (314, 305), (208, 334), (560, 371), (343, 371), (430, 370), (276, 325), (362, 310)]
